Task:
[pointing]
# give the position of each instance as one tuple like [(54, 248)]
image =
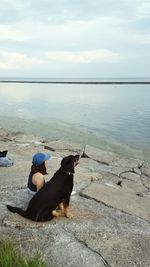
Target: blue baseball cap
[(40, 158)]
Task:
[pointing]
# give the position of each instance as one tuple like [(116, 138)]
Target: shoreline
[(55, 130), (76, 82)]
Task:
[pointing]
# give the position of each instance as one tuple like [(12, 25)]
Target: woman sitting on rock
[(38, 169)]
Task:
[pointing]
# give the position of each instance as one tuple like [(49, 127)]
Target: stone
[(127, 163), (132, 186), (119, 199), (62, 145), (146, 169), (131, 176), (145, 181), (100, 155)]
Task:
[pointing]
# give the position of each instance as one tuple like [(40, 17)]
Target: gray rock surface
[(111, 207), (117, 198)]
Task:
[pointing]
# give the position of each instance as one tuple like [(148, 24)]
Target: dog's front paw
[(69, 215), (57, 213)]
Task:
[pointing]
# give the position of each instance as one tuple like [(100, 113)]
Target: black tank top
[(31, 186)]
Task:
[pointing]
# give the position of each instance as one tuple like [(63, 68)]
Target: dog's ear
[(67, 164), (65, 160)]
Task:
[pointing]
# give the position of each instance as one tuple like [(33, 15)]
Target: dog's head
[(69, 163)]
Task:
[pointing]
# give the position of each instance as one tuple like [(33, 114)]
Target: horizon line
[(76, 82)]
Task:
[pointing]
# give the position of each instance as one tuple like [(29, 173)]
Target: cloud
[(143, 10), (141, 38), (66, 10), (67, 33), (84, 56), (11, 11), (78, 36), (13, 33), (11, 60)]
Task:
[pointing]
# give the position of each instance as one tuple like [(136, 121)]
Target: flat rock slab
[(146, 170), (119, 250), (19, 137), (123, 200), (132, 176), (132, 186), (13, 220), (128, 163), (146, 181), (100, 155), (62, 145)]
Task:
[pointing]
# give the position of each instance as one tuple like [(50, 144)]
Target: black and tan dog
[(57, 191)]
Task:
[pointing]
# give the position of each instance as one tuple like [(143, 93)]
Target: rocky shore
[(111, 207)]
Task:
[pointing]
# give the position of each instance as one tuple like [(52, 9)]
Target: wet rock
[(100, 155), (127, 163), (62, 145), (19, 137)]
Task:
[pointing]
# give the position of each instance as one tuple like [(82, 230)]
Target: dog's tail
[(17, 210)]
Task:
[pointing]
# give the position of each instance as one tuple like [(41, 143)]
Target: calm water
[(114, 117)]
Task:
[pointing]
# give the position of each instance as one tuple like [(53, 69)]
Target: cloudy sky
[(75, 38)]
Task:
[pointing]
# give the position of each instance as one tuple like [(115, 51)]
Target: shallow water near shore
[(72, 133), (111, 117)]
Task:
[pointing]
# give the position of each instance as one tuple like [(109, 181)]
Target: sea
[(112, 114)]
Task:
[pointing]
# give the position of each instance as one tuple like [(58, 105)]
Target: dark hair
[(41, 168)]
